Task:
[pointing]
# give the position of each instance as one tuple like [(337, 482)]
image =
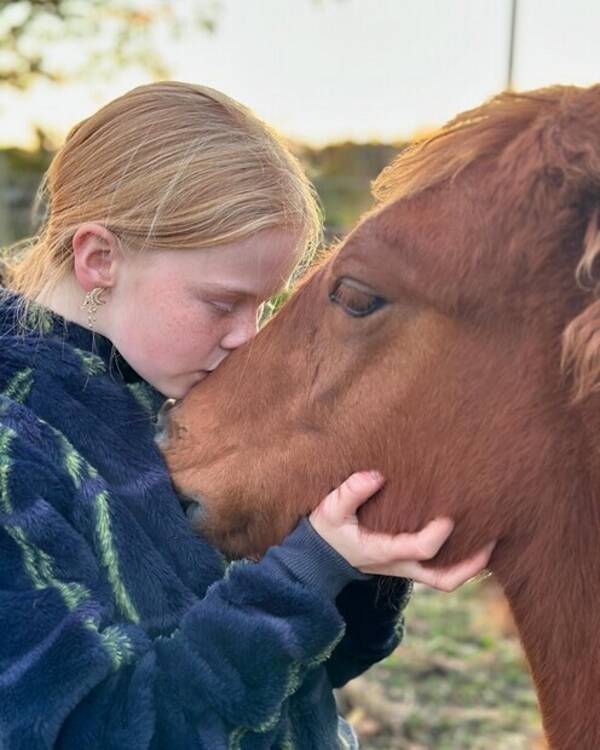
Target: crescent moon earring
[(91, 303)]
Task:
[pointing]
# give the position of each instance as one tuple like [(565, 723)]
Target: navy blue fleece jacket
[(122, 629)]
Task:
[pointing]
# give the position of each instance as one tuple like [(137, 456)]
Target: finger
[(345, 500), (422, 545), (449, 579)]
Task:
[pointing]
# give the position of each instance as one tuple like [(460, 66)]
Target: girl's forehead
[(263, 260)]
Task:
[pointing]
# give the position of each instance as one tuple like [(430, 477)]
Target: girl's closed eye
[(222, 307)]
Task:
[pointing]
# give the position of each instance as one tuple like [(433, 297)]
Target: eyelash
[(226, 308), (222, 308), (355, 302)]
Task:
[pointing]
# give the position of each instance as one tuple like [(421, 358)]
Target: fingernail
[(376, 476)]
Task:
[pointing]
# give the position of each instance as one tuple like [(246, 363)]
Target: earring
[(91, 303)]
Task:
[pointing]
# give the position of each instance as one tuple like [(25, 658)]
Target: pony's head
[(452, 341)]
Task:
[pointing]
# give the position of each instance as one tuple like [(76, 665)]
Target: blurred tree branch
[(64, 40)]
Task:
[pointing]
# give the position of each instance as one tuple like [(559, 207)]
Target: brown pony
[(453, 342)]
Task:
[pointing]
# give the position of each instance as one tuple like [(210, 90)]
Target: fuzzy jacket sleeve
[(79, 668), (373, 611)]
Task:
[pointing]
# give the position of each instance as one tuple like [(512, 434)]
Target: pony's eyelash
[(355, 301)]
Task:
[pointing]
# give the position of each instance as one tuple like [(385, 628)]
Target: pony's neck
[(554, 593)]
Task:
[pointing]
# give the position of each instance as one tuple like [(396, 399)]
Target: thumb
[(345, 500)]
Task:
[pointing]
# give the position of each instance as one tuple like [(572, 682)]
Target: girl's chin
[(180, 387)]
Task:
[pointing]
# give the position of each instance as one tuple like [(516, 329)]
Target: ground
[(459, 681)]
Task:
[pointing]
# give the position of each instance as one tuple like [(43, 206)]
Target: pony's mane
[(479, 132), (485, 132)]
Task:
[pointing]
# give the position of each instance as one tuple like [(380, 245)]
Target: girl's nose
[(242, 329)]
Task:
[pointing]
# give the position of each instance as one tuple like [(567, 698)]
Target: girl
[(173, 213)]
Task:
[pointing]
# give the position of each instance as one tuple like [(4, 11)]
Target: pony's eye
[(355, 299)]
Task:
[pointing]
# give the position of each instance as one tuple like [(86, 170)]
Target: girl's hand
[(388, 554)]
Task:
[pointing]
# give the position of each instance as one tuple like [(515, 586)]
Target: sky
[(332, 70)]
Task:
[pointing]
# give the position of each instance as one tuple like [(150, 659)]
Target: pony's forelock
[(485, 132), (581, 338), (476, 133)]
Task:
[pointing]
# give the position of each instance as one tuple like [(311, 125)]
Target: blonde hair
[(171, 165)]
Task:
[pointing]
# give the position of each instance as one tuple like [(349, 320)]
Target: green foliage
[(31, 164), (20, 175), (459, 681), (60, 40), (272, 305), (342, 174)]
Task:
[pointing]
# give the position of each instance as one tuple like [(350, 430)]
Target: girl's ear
[(96, 254)]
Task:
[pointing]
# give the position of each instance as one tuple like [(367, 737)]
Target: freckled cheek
[(153, 334), (185, 343)]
